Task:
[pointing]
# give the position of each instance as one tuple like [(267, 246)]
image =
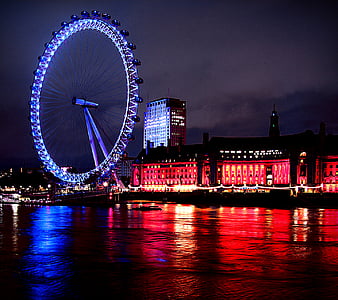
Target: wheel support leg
[(90, 136), (97, 134)]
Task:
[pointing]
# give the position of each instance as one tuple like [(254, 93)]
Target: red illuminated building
[(302, 162), (167, 168)]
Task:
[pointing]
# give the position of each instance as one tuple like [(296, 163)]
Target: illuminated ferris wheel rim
[(100, 23)]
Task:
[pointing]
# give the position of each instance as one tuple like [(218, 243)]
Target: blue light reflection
[(46, 264)]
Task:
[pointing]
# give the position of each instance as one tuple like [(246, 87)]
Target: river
[(180, 252)]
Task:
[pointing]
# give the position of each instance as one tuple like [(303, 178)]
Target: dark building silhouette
[(274, 123)]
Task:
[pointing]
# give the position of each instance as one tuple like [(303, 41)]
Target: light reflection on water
[(46, 262), (181, 252)]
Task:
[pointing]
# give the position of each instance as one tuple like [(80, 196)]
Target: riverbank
[(275, 199)]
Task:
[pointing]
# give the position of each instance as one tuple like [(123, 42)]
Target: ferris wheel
[(84, 98)]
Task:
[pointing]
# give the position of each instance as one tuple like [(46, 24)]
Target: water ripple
[(181, 252)]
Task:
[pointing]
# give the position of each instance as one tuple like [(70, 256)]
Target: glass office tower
[(165, 123)]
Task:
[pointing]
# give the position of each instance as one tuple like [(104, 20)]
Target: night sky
[(230, 60)]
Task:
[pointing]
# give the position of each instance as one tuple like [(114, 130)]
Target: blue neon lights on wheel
[(80, 105)]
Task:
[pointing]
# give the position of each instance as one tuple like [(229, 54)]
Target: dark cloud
[(230, 60), (305, 110)]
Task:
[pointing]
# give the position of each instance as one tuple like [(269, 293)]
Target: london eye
[(84, 98)]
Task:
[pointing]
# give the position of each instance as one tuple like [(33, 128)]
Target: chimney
[(148, 147), (205, 138)]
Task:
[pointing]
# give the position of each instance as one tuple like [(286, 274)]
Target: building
[(166, 168), (327, 165), (299, 162), (274, 123), (124, 168), (165, 123), (293, 161)]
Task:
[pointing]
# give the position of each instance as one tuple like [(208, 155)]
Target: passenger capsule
[(130, 137), (136, 118), (95, 13), (131, 46), (74, 17), (63, 24), (116, 23), (85, 14), (106, 16), (139, 80), (124, 32), (138, 99), (136, 62)]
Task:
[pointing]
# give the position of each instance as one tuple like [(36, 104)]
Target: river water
[(180, 252)]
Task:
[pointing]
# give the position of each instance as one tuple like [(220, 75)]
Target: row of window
[(171, 176), (332, 166), (254, 152), (170, 166), (330, 187), (169, 182)]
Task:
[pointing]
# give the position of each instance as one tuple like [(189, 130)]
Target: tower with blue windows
[(165, 123)]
